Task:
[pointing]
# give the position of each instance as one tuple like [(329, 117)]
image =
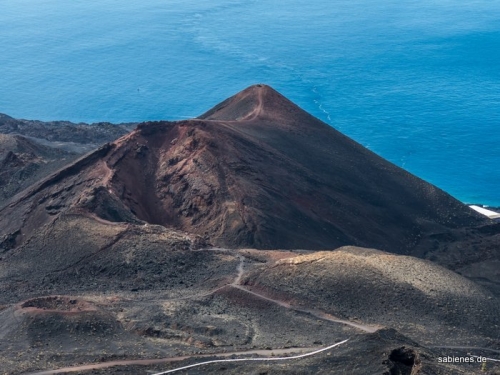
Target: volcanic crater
[(223, 234)]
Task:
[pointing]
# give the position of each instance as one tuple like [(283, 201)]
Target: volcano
[(254, 171), (187, 239)]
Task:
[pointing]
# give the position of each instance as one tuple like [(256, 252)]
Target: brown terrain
[(64, 133), (30, 150), (221, 236), (24, 162)]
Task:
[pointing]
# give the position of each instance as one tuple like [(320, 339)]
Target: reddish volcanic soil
[(255, 171), (200, 237), (59, 304)]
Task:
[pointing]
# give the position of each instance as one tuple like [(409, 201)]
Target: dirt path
[(237, 278), (316, 313), (148, 362), (273, 352), (240, 269), (253, 359), (257, 110), (266, 355)]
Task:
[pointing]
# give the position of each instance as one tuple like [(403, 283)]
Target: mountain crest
[(254, 171), (253, 103)]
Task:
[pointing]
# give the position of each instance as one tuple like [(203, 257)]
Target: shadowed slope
[(418, 297), (30, 150), (64, 131), (258, 171), (255, 171), (117, 229), (23, 161)]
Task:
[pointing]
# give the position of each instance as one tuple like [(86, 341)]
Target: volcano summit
[(255, 171), (202, 235)]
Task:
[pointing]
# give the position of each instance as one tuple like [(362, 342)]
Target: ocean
[(417, 82)]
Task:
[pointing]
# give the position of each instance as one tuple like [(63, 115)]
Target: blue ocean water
[(416, 81)]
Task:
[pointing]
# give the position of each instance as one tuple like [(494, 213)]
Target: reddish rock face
[(254, 171)]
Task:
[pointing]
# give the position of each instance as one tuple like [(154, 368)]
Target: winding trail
[(149, 362), (316, 313), (240, 269), (257, 111), (236, 283), (250, 116), (237, 279), (253, 359)]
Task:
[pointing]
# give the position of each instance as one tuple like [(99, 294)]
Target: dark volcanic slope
[(31, 150), (24, 161), (64, 131), (99, 260), (255, 171), (417, 296)]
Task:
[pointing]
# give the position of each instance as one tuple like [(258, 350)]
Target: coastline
[(490, 212)]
